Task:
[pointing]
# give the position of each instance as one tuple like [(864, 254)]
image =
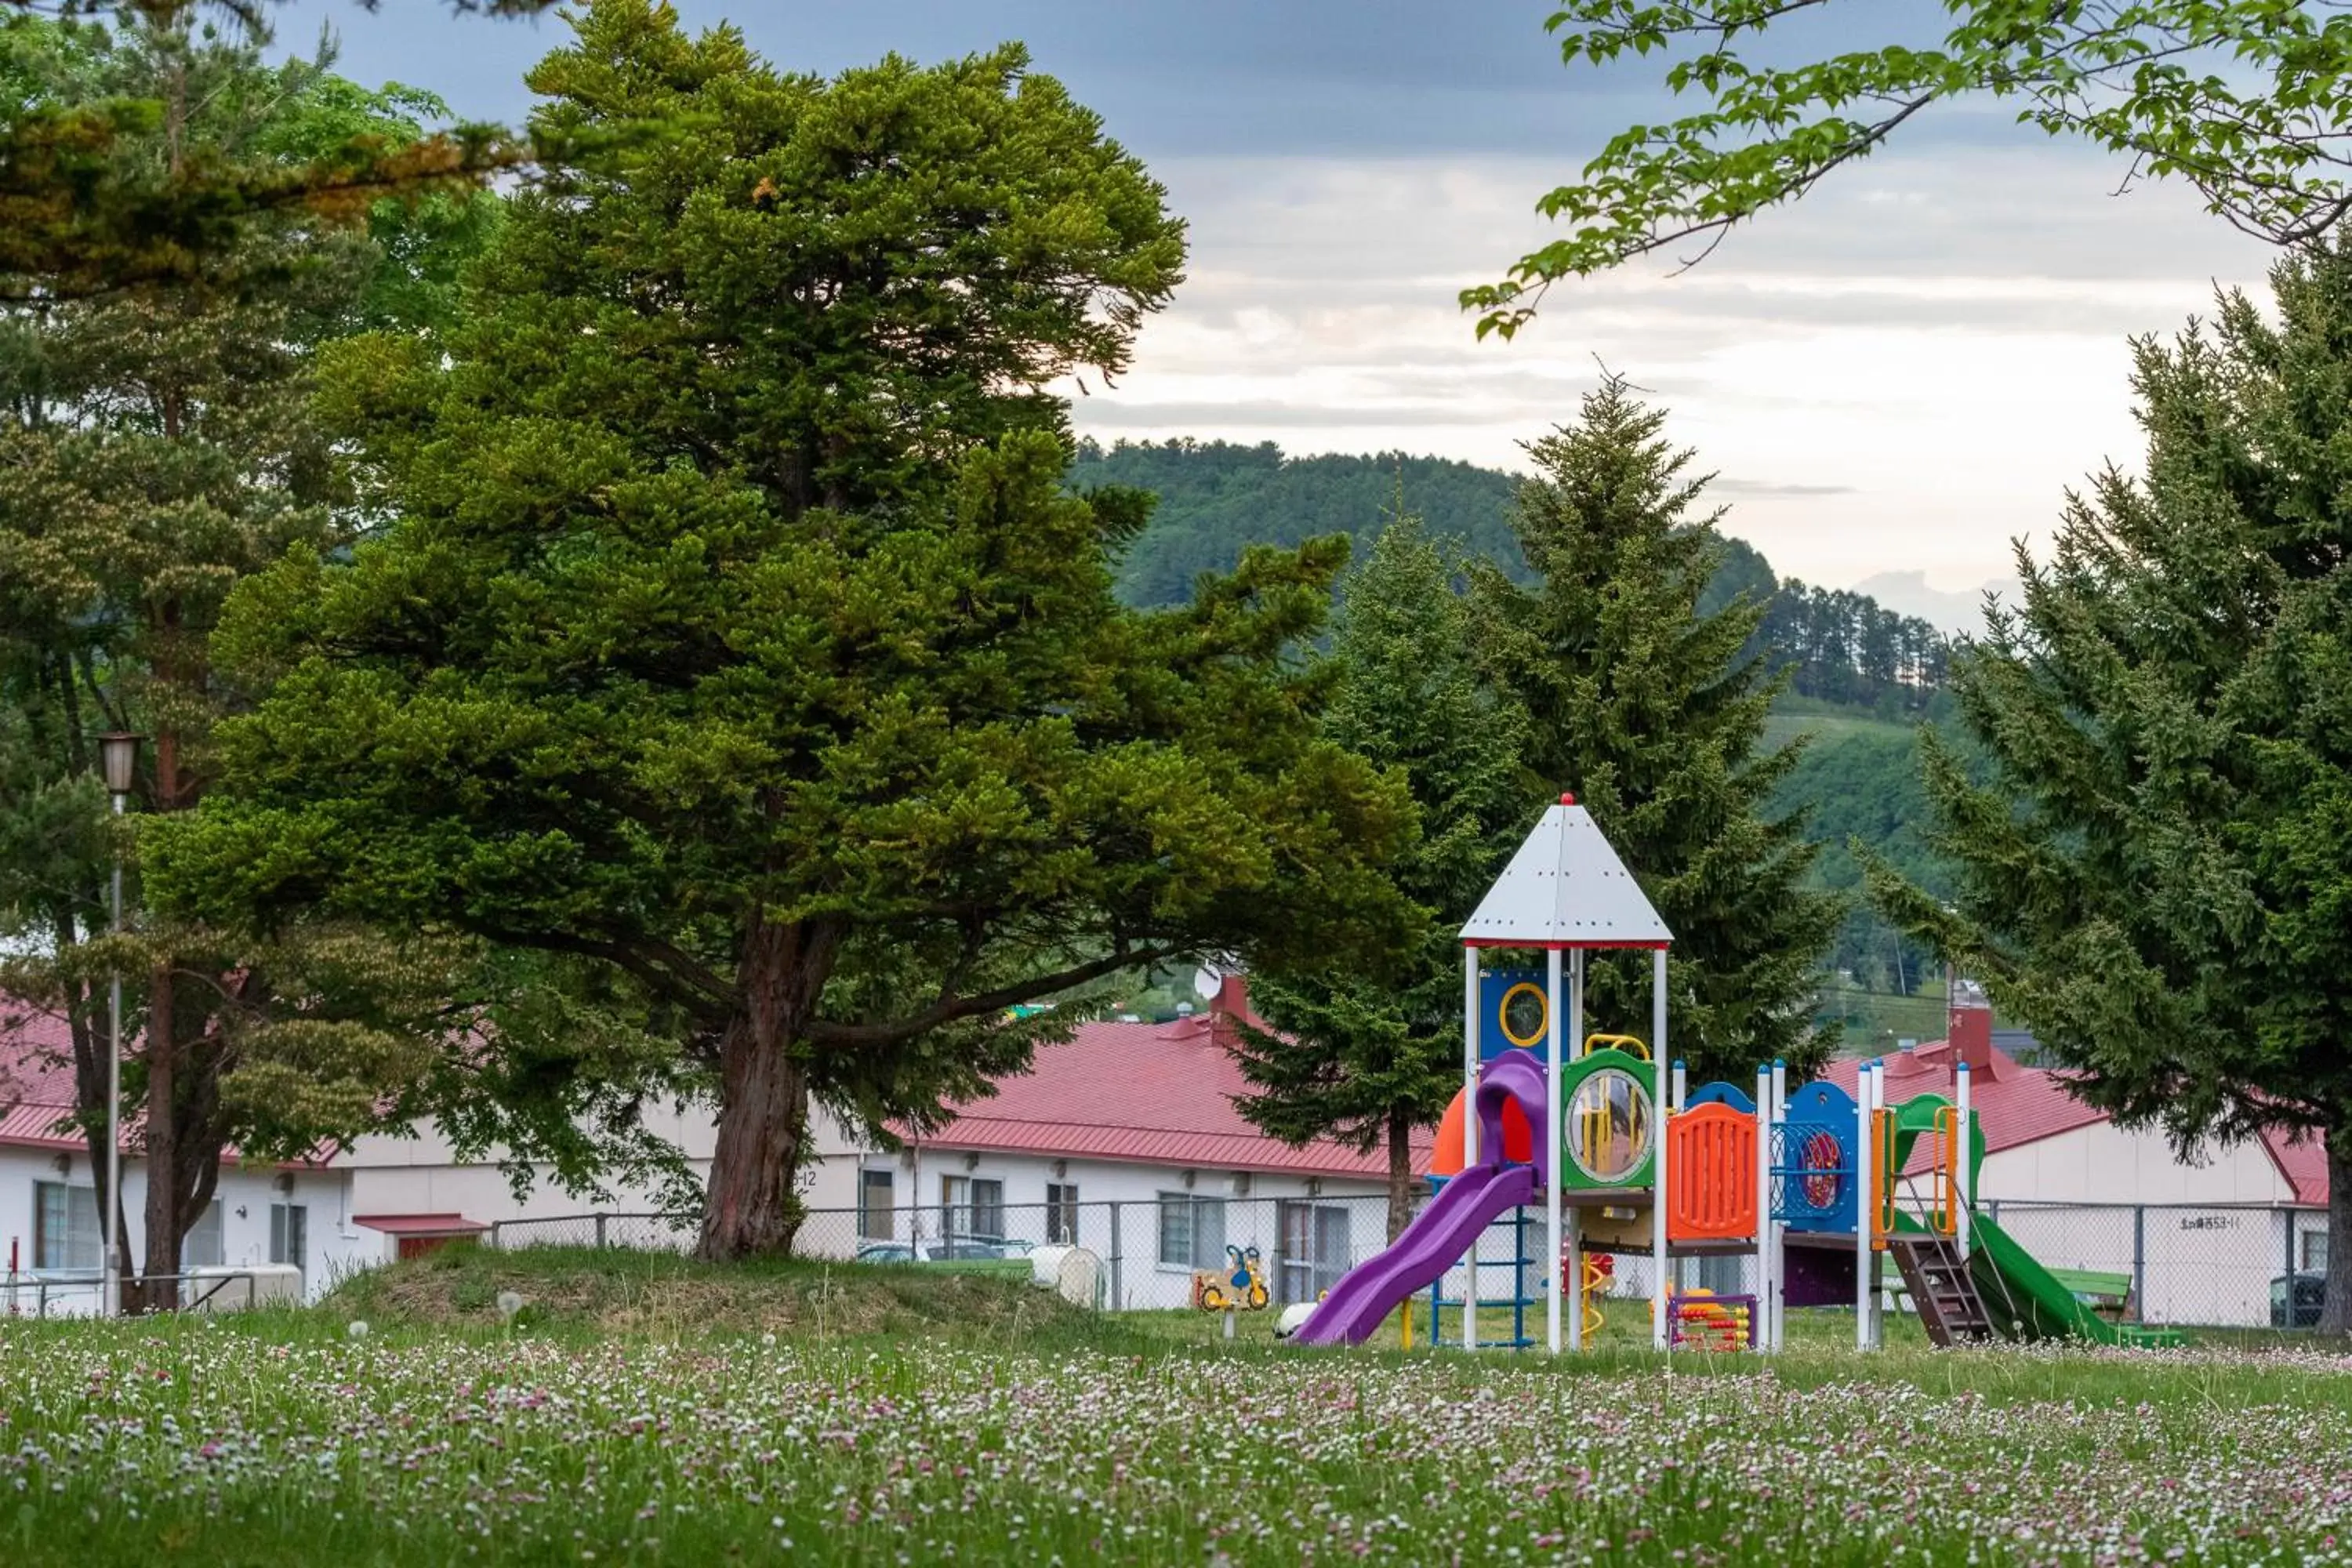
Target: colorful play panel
[(1559, 1132)]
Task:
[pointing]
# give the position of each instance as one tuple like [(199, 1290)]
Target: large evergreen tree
[(735, 632), (1650, 713), (2156, 873), (1366, 1054)]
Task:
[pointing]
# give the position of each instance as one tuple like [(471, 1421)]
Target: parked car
[(954, 1249), (2310, 1290)]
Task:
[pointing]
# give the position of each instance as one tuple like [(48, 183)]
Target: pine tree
[(157, 444), (1366, 1056), (1651, 715), (2156, 875)]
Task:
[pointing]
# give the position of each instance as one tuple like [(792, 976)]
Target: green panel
[(1573, 1076)]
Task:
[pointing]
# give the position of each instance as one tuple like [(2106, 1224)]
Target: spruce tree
[(2156, 875), (1648, 712), (1362, 1055)]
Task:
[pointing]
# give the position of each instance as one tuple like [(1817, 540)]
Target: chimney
[(1967, 1025), (1231, 1002)]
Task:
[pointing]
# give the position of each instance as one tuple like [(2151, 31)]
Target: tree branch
[(663, 968), (948, 1007)]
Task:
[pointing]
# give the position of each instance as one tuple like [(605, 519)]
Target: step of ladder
[(1941, 1291)]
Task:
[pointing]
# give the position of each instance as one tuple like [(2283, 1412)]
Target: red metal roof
[(37, 1087), (2303, 1161), (421, 1224), (1157, 1094), (37, 1084)]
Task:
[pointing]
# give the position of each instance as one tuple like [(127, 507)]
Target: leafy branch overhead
[(2245, 99)]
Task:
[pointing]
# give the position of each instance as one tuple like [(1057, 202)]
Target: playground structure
[(1821, 1187)]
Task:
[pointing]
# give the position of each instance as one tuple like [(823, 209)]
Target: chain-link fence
[(2208, 1266), (66, 1294), (2202, 1266), (639, 1232), (1144, 1253)]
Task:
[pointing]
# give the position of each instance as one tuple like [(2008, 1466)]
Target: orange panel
[(1519, 1139), (1711, 1174)]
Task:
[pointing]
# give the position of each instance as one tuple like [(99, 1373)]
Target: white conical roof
[(1565, 888)]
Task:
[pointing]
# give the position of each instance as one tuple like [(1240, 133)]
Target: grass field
[(638, 1411)]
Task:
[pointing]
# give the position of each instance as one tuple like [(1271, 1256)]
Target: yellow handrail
[(1630, 1044), (1946, 1188)]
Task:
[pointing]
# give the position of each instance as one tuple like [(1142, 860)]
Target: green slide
[(2024, 1300)]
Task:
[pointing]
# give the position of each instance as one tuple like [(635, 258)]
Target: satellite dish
[(1205, 981)]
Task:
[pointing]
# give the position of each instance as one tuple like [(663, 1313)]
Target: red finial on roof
[(1568, 800)]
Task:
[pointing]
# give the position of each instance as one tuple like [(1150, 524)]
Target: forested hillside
[(1216, 499), (1861, 676)]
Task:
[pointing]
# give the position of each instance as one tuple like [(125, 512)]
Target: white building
[(1126, 1142), (416, 1178), (297, 1215)]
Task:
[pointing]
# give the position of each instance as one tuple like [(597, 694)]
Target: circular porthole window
[(1609, 1126), (1526, 1015)]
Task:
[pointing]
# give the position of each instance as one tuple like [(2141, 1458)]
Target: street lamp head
[(118, 754)]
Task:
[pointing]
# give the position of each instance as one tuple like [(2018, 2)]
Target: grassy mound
[(666, 1296)]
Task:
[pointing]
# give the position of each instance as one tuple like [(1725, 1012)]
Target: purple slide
[(1441, 1235)]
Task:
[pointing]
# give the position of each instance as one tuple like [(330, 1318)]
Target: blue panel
[(1493, 987), (1812, 1160), (1722, 1094)]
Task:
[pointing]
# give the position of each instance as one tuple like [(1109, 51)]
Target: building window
[(1062, 1213), (201, 1248), (1316, 1247), (973, 1208), (1191, 1231), (2314, 1252), (877, 1218), (66, 1231), (288, 1239)]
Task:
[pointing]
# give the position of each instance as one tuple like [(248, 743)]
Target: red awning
[(421, 1224)]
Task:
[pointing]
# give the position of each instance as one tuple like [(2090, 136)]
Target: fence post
[(2139, 1263), (600, 1230), (1118, 1282), (2286, 1225)]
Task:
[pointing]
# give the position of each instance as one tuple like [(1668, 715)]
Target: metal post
[(1864, 1202), (2286, 1224), (1470, 1053), (600, 1230), (1780, 1227), (1659, 1337), (1118, 1285), (1681, 1084), (1760, 1322), (1563, 1280), (2139, 1262), (112, 1305), (1964, 1176)]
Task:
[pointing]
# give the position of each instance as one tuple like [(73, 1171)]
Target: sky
[(1901, 374)]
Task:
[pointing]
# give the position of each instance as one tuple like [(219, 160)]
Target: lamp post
[(118, 754)]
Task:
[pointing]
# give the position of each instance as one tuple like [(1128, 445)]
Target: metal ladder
[(1937, 1276)]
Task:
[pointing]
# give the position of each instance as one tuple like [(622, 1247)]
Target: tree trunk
[(1400, 1171), (161, 1155), (750, 1208), (2336, 1308)]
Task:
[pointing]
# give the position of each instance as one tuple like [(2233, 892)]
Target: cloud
[(1904, 370), (1767, 488)]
